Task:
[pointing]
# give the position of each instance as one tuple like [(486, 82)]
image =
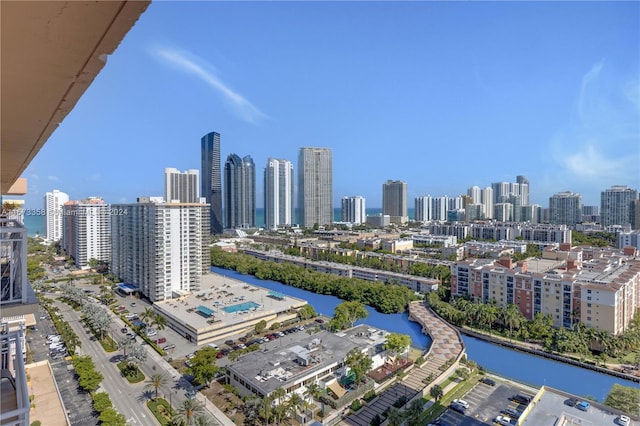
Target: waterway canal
[(505, 362)]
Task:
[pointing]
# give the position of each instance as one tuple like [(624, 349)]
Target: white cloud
[(587, 80), (53, 178), (245, 109), (123, 200), (34, 176), (591, 164)]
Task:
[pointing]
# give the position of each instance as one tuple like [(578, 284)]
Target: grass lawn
[(109, 345), (133, 376), (161, 410), (439, 406)]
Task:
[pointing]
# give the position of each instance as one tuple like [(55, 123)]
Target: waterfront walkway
[(446, 345)]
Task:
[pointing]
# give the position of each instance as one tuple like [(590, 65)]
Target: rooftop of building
[(223, 301), (281, 366), (552, 409), (47, 407)]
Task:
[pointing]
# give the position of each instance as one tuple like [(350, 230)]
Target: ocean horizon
[(35, 224)]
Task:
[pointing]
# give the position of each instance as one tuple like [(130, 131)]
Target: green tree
[(110, 417), (394, 417), (158, 321), (260, 326), (306, 312), (203, 366), (359, 363), (101, 402), (155, 382), (512, 318), (623, 398), (347, 313), (396, 343), (436, 392)]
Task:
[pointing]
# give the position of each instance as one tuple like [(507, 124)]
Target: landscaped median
[(441, 404), (162, 411)]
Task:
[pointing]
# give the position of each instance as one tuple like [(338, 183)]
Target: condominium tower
[(278, 193), (354, 210), (239, 192), (615, 205), (53, 202), (565, 208), (160, 247), (394, 200), (87, 230), (181, 187), (212, 180), (315, 186)]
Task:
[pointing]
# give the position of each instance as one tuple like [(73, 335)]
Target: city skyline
[(477, 93)]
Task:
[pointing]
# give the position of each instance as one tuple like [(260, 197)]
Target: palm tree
[(147, 314), (204, 420), (279, 409), (313, 391), (159, 322), (394, 417), (512, 318), (234, 355), (189, 410), (155, 381), (294, 404), (265, 405)]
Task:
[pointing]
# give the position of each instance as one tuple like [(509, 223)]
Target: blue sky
[(441, 95)]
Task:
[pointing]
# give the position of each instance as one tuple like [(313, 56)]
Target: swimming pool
[(240, 307)]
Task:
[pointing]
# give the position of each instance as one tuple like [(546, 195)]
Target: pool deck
[(191, 312)]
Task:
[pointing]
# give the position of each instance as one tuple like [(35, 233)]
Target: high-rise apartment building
[(278, 193), (476, 194), (239, 192), (87, 230), (565, 208), (53, 202), (315, 186), (524, 189), (161, 247), (394, 200), (615, 205), (181, 187), (354, 210), (212, 179), (428, 208), (634, 214), (487, 202)]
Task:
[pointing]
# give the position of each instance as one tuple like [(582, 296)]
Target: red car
[(160, 340)]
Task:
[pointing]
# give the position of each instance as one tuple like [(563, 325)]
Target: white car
[(504, 420), (462, 402), (624, 420), (191, 355)]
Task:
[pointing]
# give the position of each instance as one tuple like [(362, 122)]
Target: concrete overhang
[(51, 51)]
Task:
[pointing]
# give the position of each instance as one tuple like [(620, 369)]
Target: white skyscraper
[(353, 210), (476, 194), (87, 230), (278, 193), (161, 248), (53, 202), (181, 187), (565, 208), (487, 202), (615, 205), (315, 186)]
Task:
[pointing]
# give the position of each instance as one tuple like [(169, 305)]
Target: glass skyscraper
[(211, 179), (240, 192)]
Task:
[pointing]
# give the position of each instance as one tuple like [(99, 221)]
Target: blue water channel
[(521, 367)]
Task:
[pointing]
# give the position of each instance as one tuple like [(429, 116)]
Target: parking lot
[(485, 403), (78, 403)]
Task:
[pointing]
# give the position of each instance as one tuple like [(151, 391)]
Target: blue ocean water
[(34, 225)]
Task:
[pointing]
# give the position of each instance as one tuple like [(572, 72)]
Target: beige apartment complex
[(597, 287)]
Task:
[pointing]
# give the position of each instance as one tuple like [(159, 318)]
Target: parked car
[(522, 398), (229, 342), (191, 355), (571, 402), (624, 420), (462, 402), (457, 407), (319, 320), (511, 412), (151, 332), (160, 340), (124, 330), (488, 381), (503, 420), (169, 347), (583, 406)]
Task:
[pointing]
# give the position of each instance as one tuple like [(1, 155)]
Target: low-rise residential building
[(601, 292), (318, 358)]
